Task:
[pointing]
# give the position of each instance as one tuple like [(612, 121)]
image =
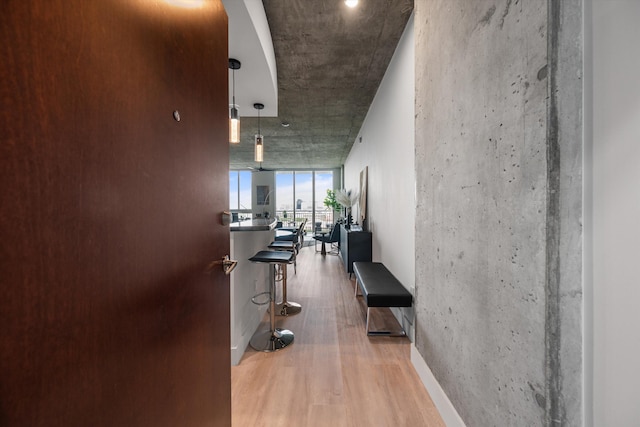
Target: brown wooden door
[(110, 212)]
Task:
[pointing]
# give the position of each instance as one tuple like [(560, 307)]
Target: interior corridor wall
[(385, 144), (498, 236), (612, 213)]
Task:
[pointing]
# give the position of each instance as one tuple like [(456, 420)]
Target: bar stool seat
[(273, 339), (284, 245), (275, 257)]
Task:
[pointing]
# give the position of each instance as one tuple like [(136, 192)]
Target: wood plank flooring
[(333, 374)]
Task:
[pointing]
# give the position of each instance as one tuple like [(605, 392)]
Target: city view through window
[(299, 195)]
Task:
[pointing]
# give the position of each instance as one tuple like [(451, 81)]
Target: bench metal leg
[(400, 333)]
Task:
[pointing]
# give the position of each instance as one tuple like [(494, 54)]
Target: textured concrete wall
[(489, 250), (564, 321)]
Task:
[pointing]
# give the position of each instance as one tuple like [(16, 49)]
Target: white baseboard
[(445, 407)]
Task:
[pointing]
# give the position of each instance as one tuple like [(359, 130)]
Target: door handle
[(226, 217), (227, 265)]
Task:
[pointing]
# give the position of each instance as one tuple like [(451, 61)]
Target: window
[(284, 198), (300, 195), (303, 186), (240, 191), (323, 216)]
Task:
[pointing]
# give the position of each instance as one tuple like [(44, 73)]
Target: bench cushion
[(379, 287)]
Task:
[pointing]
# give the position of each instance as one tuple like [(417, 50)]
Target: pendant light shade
[(259, 149), (234, 115), (259, 157), (234, 124)]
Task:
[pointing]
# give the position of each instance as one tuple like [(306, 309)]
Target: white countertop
[(256, 224)]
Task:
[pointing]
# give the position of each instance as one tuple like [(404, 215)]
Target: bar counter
[(256, 224), (248, 279)]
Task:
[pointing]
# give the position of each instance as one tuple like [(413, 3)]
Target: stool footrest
[(254, 299)]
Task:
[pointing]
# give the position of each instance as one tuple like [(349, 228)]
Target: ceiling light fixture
[(259, 139), (234, 116), (187, 4), (351, 3)]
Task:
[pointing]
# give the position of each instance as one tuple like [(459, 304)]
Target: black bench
[(380, 288)]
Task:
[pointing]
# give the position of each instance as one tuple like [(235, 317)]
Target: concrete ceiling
[(330, 60)]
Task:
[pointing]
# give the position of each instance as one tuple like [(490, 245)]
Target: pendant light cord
[(233, 77)]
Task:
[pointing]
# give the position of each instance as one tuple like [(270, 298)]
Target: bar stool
[(273, 339), (286, 308), (286, 245)]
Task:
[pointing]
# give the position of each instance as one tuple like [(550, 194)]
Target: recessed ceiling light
[(285, 124), (188, 4), (351, 3)]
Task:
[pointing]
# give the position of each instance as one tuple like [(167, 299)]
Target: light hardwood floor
[(333, 374)]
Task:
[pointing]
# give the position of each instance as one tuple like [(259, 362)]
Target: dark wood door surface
[(110, 212)]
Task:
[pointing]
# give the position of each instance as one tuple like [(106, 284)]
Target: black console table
[(354, 246)]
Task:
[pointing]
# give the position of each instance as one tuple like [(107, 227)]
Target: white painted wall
[(247, 280), (387, 148), (267, 178), (612, 212)]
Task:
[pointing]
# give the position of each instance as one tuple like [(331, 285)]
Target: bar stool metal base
[(288, 308), (273, 339), (269, 341)]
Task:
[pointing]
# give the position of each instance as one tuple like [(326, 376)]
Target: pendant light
[(259, 139), (234, 116)]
